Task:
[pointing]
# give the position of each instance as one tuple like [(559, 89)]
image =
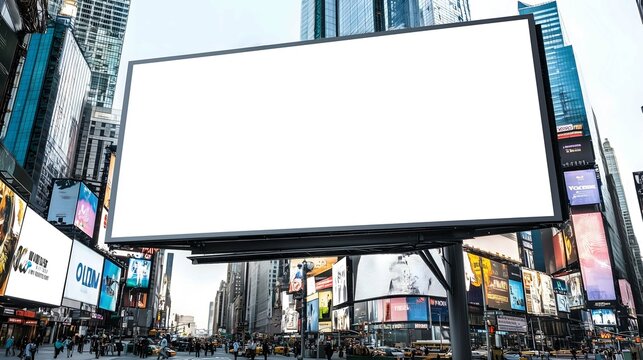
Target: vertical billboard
[(395, 274), (110, 286), (582, 187), (539, 293), (516, 289), (439, 311), (627, 298), (102, 229), (473, 278), (496, 284), (135, 299), (325, 305), (64, 200), (12, 214), (574, 286), (560, 260), (39, 264), (638, 186), (503, 246), (562, 295), (594, 256), (289, 315), (340, 282), (138, 273), (320, 265), (341, 319), (312, 315), (110, 177), (85, 217), (416, 308), (84, 274), (569, 239)]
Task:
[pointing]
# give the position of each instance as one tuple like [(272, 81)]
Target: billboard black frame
[(361, 239)]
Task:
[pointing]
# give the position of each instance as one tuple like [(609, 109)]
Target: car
[(155, 350), (388, 351)]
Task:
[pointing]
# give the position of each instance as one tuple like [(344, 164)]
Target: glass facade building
[(329, 18), (43, 127), (567, 96)]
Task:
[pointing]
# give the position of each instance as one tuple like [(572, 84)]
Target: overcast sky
[(606, 35)]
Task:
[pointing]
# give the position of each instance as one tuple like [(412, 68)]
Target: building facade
[(236, 290), (43, 127), (220, 309)]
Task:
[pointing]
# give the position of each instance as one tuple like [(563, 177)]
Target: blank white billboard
[(414, 129)]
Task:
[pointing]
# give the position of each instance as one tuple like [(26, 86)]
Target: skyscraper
[(43, 127), (567, 96), (330, 18)]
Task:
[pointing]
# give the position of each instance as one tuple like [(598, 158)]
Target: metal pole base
[(457, 301)]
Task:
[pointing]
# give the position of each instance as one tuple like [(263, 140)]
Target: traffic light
[(492, 329)]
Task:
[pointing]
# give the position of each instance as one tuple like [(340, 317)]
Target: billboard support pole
[(304, 273), (485, 315), (457, 301)]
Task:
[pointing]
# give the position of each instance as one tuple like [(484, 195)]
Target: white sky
[(608, 43)]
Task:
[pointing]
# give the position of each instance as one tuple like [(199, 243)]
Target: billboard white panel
[(504, 246), (64, 198), (39, 266), (84, 274), (340, 282), (306, 138)]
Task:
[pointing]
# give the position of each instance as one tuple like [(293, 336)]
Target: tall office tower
[(220, 308), (612, 167), (210, 317), (43, 127), (567, 96), (330, 18)]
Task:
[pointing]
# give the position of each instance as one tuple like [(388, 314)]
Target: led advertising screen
[(290, 316), (110, 177), (539, 293), (496, 284), (516, 289), (320, 265), (84, 274), (439, 310), (574, 290), (39, 265), (570, 243), (473, 278), (560, 260), (603, 317), (594, 256), (312, 315), (138, 273), (638, 186), (417, 310), (325, 305), (86, 210), (582, 187), (512, 323), (110, 286), (310, 286), (627, 298), (135, 299), (102, 230), (394, 274), (64, 199), (562, 295), (341, 319), (261, 138), (12, 213), (575, 152), (504, 246), (340, 282)]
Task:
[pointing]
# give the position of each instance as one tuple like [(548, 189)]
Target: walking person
[(30, 350), (328, 350), (235, 349), (9, 346), (163, 351), (266, 349), (252, 348), (197, 348), (59, 345), (69, 345)]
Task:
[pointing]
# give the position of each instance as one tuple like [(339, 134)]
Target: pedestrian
[(163, 350), (252, 348), (328, 350), (341, 351), (266, 349), (235, 349), (145, 344), (119, 347), (197, 348), (190, 345), (59, 345), (9, 347), (95, 346), (30, 350), (619, 355), (69, 345)]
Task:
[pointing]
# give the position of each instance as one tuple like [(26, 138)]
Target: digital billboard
[(473, 278), (135, 299), (562, 295), (84, 274), (539, 293), (340, 282), (320, 265), (86, 210), (341, 319), (394, 274), (638, 186), (559, 260), (240, 204), (576, 152), (439, 310), (504, 246), (574, 290), (512, 323), (627, 298), (110, 177), (516, 289), (64, 199), (570, 243), (102, 229), (312, 315), (289, 315), (496, 284), (110, 286), (325, 305), (582, 187), (604, 317), (138, 273), (12, 214), (39, 263), (416, 308), (594, 256)]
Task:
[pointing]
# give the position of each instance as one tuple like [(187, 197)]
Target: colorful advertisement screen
[(496, 284), (627, 297), (12, 214), (539, 293), (562, 295), (503, 246), (516, 289), (395, 274), (325, 305), (582, 187), (417, 310), (560, 260), (341, 319), (320, 265), (603, 317), (110, 286), (64, 200), (570, 243), (439, 311), (312, 314), (39, 263), (340, 282), (138, 273), (86, 210), (84, 274), (574, 286), (594, 256), (135, 299), (473, 278)]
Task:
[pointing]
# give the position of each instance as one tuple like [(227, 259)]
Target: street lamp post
[(305, 267)]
